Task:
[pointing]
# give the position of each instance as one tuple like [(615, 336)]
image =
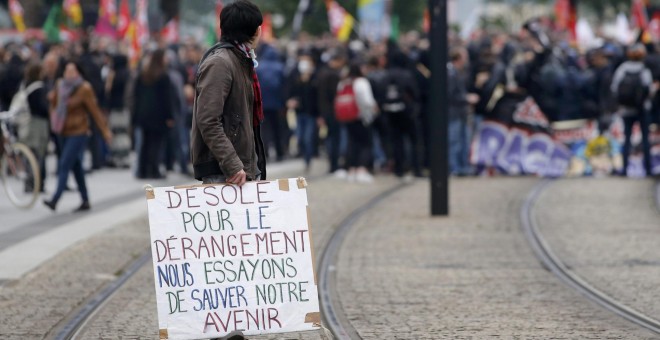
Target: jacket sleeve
[(93, 108), (214, 85), (616, 80)]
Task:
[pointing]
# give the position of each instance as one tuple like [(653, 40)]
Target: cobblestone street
[(401, 274)]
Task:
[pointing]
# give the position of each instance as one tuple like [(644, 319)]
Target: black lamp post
[(438, 107)]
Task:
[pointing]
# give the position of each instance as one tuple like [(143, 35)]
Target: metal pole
[(438, 107)]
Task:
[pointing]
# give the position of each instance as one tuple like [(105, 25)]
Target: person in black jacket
[(152, 114), (328, 79), (119, 118), (303, 98), (400, 106)]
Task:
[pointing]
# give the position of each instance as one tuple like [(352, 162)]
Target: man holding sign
[(226, 140)]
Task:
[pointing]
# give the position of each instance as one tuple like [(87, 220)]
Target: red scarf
[(257, 110)]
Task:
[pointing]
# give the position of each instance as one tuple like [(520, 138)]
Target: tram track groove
[(554, 264), (331, 309), (74, 326)]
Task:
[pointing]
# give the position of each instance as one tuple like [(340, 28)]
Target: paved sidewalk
[(612, 240), (403, 275)]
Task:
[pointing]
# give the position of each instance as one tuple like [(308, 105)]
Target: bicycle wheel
[(19, 172)]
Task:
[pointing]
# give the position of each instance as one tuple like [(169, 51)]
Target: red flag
[(426, 23), (640, 13), (218, 10), (566, 14), (124, 19), (170, 33), (267, 34), (341, 22), (142, 22)]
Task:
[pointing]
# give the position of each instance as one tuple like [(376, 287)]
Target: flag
[(566, 15), (170, 33), (395, 32), (52, 24), (640, 13), (426, 22), (341, 22), (374, 20), (211, 38), (108, 9), (124, 20), (214, 32), (267, 34), (133, 44), (107, 19), (16, 12), (73, 11), (142, 22)]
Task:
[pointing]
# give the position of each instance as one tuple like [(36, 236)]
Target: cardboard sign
[(232, 258)]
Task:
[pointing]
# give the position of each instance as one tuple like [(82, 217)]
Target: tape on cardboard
[(284, 184)]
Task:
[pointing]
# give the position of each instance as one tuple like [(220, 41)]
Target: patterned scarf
[(257, 111), (64, 91)]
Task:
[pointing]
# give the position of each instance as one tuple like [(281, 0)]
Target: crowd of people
[(362, 105)]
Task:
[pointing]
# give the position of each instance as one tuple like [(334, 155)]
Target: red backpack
[(346, 108)]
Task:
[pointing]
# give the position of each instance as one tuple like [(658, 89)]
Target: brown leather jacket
[(224, 140), (82, 104)]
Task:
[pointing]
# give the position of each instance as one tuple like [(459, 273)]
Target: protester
[(401, 94), (303, 98), (633, 88), (73, 101), (459, 106), (11, 76), (178, 144), (359, 132), (226, 139), (119, 118), (271, 78), (35, 134), (153, 114), (328, 78), (382, 149)]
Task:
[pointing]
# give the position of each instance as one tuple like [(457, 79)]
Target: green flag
[(394, 32), (52, 24), (211, 37)]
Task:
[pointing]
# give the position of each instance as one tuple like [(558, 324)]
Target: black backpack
[(631, 91), (393, 97)]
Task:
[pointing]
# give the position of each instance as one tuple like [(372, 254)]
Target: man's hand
[(239, 179)]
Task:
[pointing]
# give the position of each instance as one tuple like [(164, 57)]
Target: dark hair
[(32, 73), (355, 70), (239, 21), (398, 60), (155, 68), (78, 67)]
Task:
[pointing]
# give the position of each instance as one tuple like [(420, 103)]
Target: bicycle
[(19, 170)]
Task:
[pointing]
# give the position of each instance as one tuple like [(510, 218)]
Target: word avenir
[(219, 195)]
